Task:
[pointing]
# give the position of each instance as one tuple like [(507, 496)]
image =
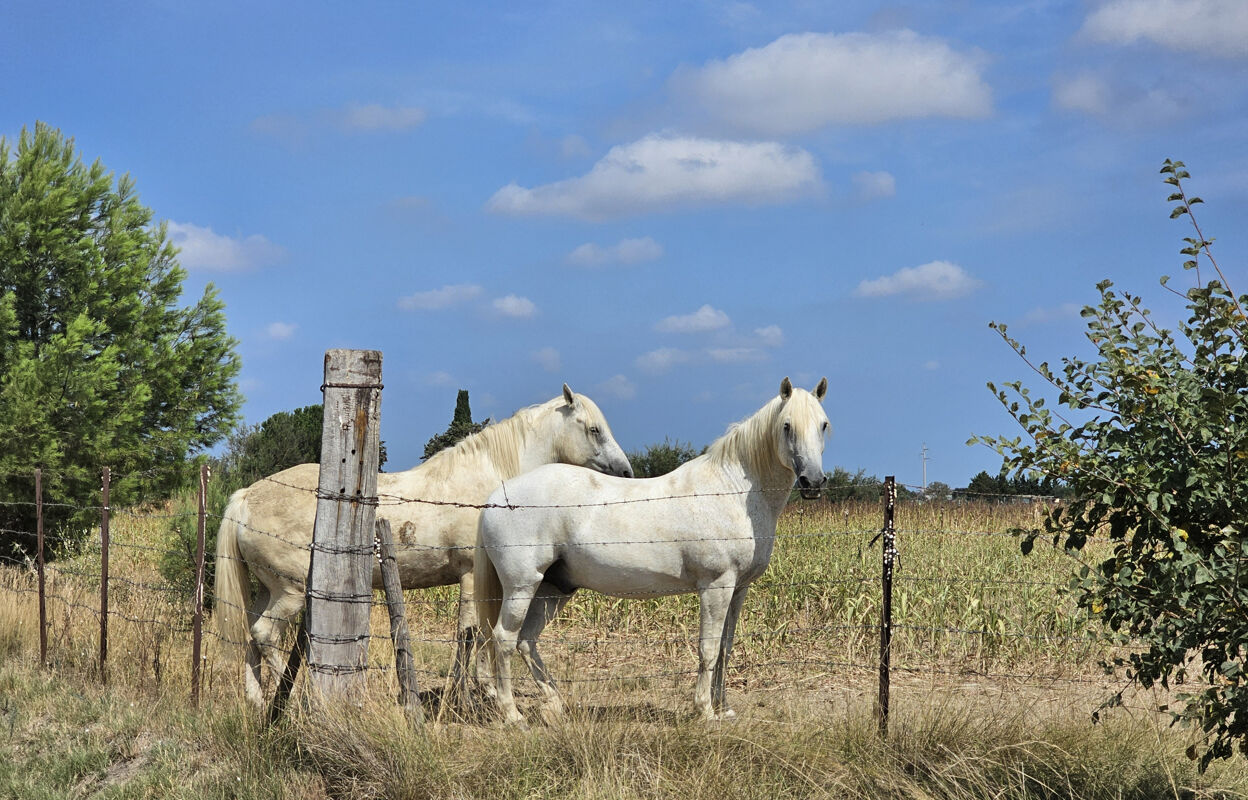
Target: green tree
[(461, 427), (661, 458), (99, 364), (845, 485), (1154, 447)]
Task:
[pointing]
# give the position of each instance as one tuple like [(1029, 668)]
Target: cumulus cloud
[(870, 186), (548, 358), (446, 297), (295, 129), (573, 146), (1214, 27), (280, 330), (805, 81), (626, 251), (935, 280), (1120, 101), (203, 249), (1044, 314), (1085, 92), (616, 387), (661, 360), (704, 319), (770, 336), (374, 117), (514, 306), (661, 172), (735, 355)]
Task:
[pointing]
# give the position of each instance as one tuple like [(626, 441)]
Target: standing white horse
[(708, 527), (267, 527)]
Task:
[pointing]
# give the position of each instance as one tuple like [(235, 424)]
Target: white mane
[(750, 441)]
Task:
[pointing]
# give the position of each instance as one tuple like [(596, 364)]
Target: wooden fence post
[(43, 608), (197, 625), (409, 694), (339, 587), (888, 547), (104, 580)]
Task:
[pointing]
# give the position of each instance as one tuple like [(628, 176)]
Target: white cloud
[(374, 117), (1121, 102), (1214, 27), (662, 172), (1086, 92), (514, 306), (617, 387), (626, 251), (870, 186), (661, 360), (447, 296), (805, 81), (1045, 314), (201, 248), (440, 378), (931, 365), (280, 330), (936, 280), (735, 355), (704, 319), (573, 146), (548, 358), (770, 336)]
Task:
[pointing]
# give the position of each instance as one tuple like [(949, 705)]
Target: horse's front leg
[(466, 638), (725, 650), (713, 605)]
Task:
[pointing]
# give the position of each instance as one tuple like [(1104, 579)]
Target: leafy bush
[(1154, 448), (662, 458)]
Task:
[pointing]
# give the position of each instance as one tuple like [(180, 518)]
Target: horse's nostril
[(803, 482)]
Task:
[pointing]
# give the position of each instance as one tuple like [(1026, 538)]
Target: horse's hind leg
[(271, 623), (251, 672), (511, 618), (545, 607)]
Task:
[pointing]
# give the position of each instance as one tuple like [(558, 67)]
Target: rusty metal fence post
[(104, 580), (889, 550), (43, 608), (197, 625)]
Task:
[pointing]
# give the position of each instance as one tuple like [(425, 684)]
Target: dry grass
[(995, 676)]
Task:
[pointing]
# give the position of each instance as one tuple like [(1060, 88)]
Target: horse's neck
[(756, 482)]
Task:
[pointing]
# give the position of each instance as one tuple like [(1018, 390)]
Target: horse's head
[(582, 436), (800, 429)]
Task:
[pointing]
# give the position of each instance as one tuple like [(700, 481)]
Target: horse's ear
[(567, 395), (821, 390), (786, 388)]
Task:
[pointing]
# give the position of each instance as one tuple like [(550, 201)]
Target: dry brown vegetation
[(996, 674)]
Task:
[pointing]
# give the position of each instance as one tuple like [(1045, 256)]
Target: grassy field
[(996, 674)]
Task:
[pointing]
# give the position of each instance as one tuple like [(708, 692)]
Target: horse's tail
[(232, 588), (487, 592)]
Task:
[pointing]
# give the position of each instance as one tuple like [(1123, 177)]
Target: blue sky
[(670, 206)]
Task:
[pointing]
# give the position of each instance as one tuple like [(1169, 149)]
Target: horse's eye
[(786, 427), (593, 430), (825, 426)]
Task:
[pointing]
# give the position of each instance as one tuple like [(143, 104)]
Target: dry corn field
[(995, 675), (968, 610)]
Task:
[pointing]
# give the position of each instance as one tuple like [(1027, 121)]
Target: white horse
[(708, 527), (267, 528)]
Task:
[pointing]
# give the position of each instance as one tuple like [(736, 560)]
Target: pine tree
[(99, 364)]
